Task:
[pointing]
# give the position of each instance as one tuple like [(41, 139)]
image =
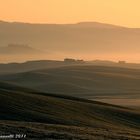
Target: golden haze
[(120, 12)]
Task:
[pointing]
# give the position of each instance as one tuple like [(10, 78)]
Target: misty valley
[(69, 81)]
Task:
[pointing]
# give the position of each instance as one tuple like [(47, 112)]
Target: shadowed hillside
[(83, 81), (6, 68), (29, 65), (69, 117), (45, 64)]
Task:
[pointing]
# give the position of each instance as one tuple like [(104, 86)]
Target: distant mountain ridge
[(86, 39), (98, 25), (84, 23)]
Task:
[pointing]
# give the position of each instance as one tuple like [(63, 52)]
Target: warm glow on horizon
[(119, 12), (107, 45)]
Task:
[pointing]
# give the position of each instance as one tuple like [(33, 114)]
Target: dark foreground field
[(39, 131), (51, 116)]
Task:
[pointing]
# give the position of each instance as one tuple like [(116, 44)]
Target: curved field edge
[(53, 116)]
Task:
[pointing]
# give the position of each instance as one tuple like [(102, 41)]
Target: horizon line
[(70, 23)]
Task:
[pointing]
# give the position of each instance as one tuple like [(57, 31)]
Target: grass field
[(91, 82), (51, 116)]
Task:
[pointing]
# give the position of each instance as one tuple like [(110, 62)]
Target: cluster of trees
[(122, 62), (70, 60)]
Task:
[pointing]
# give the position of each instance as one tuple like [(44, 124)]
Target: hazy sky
[(120, 12)]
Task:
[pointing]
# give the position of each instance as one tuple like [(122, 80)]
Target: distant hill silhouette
[(13, 49), (97, 25), (85, 38)]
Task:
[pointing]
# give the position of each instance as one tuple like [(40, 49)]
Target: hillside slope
[(69, 117), (83, 81), (30, 65), (45, 64)]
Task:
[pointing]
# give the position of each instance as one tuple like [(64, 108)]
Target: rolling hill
[(81, 81), (9, 68), (43, 115), (18, 49), (29, 66), (47, 64), (19, 53)]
